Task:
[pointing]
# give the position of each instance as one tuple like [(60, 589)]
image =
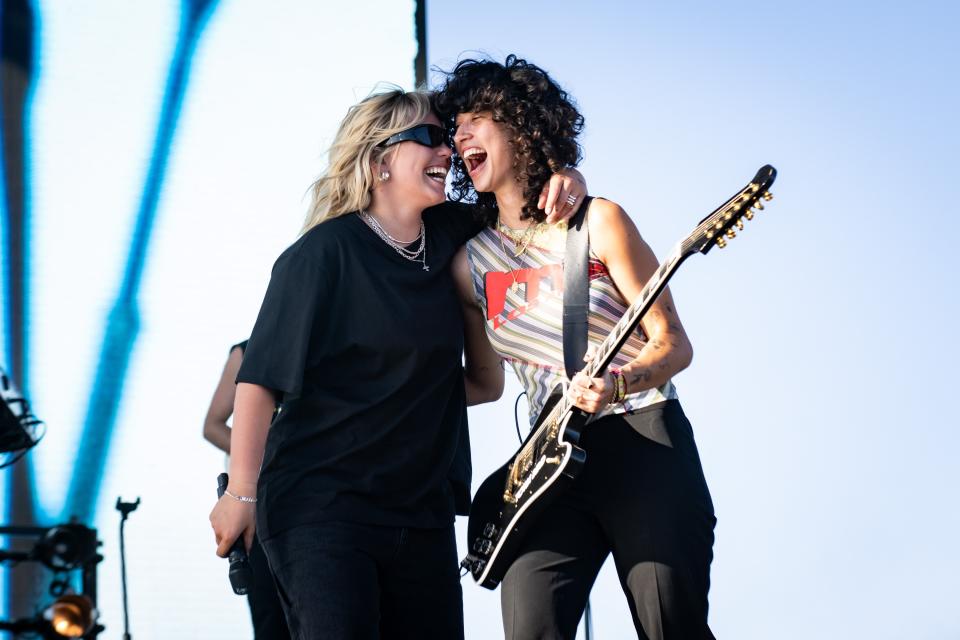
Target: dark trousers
[(640, 496), (348, 581), (269, 622)]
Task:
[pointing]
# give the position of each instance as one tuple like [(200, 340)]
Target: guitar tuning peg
[(768, 196), (759, 205), (748, 215), (718, 225), (731, 233), (721, 242), (740, 224)]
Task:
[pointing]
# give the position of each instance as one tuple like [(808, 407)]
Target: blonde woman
[(360, 336)]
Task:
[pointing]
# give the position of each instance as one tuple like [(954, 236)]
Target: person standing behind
[(265, 610)]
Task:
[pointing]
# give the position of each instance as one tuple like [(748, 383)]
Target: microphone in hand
[(239, 573)]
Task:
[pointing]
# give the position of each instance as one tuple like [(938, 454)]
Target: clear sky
[(824, 334)]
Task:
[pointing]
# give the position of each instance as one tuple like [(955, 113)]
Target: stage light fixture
[(71, 616), (62, 549), (66, 547)]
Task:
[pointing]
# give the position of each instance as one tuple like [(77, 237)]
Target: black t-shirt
[(365, 348)]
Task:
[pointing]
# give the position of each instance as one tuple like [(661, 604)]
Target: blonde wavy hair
[(346, 184)]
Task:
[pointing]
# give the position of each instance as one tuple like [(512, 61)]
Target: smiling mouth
[(474, 159), (437, 174)]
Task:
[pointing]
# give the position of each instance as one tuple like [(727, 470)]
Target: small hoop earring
[(384, 176)]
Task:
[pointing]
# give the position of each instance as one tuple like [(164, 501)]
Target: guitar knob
[(740, 224), (758, 204), (768, 196), (731, 233), (748, 215), (490, 530), (721, 243)]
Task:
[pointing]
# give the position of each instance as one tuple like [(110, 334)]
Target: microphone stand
[(125, 508)]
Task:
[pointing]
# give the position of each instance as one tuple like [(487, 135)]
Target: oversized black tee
[(363, 348)]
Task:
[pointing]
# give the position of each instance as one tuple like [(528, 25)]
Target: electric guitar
[(508, 501)]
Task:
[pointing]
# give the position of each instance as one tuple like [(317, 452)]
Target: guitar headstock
[(718, 227)]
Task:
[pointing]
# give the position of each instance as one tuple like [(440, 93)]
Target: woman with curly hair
[(641, 495), (352, 489)]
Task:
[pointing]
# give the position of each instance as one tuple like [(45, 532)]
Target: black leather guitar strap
[(576, 290)]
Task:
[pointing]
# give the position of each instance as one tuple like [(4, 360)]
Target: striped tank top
[(522, 302)]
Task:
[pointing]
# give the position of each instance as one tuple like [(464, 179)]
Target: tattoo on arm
[(638, 376)]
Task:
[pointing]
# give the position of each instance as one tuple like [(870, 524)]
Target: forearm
[(661, 358), (253, 410), (217, 433)]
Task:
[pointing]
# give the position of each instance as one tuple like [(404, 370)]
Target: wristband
[(619, 386), (246, 499)]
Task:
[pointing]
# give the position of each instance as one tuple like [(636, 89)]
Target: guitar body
[(500, 516)]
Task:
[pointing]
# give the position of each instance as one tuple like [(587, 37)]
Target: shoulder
[(461, 220), (320, 244), (609, 221), (606, 212)]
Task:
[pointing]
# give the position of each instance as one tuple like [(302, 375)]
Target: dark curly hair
[(541, 118)]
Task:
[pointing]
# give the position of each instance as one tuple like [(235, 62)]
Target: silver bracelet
[(239, 498)]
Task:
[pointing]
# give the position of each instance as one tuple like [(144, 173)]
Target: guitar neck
[(713, 230), (612, 344)]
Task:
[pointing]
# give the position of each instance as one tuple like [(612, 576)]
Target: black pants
[(265, 610), (348, 581), (640, 496)]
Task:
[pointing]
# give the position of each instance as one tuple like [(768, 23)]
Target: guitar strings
[(536, 441)]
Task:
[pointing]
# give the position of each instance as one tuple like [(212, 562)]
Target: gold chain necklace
[(523, 241)]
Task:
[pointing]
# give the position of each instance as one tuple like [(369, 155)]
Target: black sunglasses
[(429, 135)]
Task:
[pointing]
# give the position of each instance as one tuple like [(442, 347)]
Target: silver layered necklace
[(413, 255)]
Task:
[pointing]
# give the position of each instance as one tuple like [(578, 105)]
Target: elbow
[(495, 391), (208, 431), (488, 393), (483, 391), (686, 355)]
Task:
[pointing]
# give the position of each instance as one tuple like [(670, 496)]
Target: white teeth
[(436, 171), (472, 151)]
